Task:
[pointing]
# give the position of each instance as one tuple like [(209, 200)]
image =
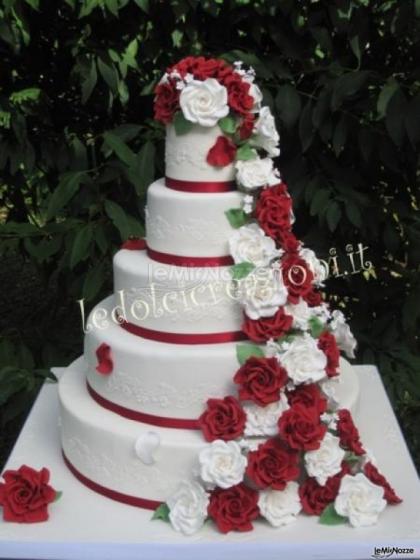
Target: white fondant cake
[(180, 355), (194, 226), (102, 444)]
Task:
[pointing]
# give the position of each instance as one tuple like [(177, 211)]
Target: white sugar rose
[(303, 360), (257, 172), (326, 460), (222, 464), (318, 269), (251, 244), (188, 507), (262, 420), (255, 92), (280, 507), (360, 500), (301, 313), (266, 135), (204, 102), (329, 387), (262, 292), (343, 335)]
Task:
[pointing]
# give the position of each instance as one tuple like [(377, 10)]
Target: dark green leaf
[(241, 270), (346, 86), (68, 186), (333, 215), (89, 82), (236, 217), (387, 92), (121, 149), (81, 245), (306, 129), (330, 517), (353, 213), (109, 74), (319, 201), (395, 117), (412, 120), (288, 104), (161, 512), (340, 135), (94, 281), (245, 351), (118, 217), (142, 170), (245, 153), (181, 124)]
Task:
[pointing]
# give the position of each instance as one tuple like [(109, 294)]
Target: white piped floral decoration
[(265, 133), (343, 335)]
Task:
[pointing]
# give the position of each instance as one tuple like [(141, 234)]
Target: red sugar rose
[(313, 298), (223, 419), (287, 241), (247, 126), (297, 276), (103, 355), (166, 102), (233, 509), (376, 477), (301, 427), (260, 380), (239, 98), (25, 495), (314, 497), (273, 211), (348, 433), (328, 344), (309, 396), (272, 465), (222, 153), (260, 330), (134, 244)]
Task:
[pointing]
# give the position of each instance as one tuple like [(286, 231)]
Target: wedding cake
[(212, 383)]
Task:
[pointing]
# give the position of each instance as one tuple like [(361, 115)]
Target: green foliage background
[(78, 149)]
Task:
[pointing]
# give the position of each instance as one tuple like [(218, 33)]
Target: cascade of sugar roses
[(280, 446)]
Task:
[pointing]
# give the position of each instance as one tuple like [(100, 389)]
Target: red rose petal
[(222, 153), (105, 364)]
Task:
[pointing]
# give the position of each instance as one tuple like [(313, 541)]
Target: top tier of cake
[(186, 155)]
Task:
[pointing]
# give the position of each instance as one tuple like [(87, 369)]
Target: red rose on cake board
[(25, 495), (301, 428), (315, 498)]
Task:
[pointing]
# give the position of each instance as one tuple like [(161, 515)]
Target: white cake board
[(85, 525)]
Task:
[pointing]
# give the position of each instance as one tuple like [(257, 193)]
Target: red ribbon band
[(177, 260), (113, 494), (200, 186), (183, 338), (161, 421)]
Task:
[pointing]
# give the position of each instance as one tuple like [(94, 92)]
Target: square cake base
[(85, 525)]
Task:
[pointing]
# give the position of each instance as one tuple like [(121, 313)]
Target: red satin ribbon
[(113, 494), (183, 338), (200, 186), (162, 421), (177, 260)]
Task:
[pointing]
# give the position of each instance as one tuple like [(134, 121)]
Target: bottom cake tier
[(130, 461)]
